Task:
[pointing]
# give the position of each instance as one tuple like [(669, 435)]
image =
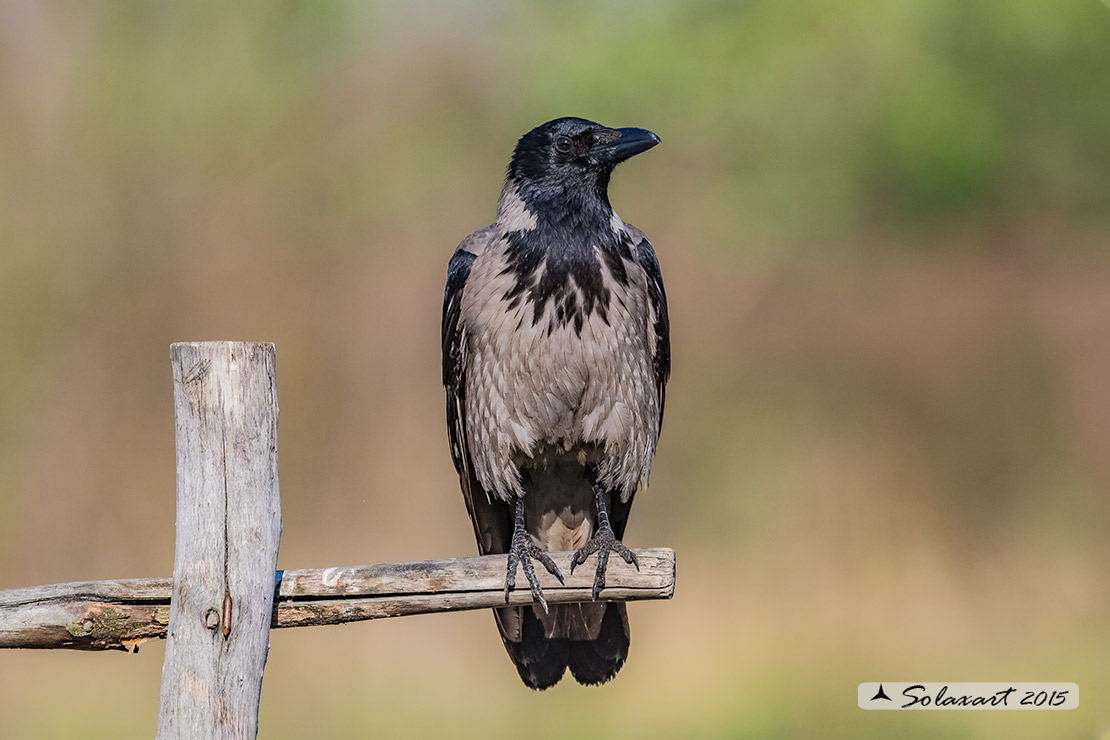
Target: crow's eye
[(563, 144)]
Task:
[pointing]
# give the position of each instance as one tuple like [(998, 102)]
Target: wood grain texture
[(97, 615), (228, 528), (119, 615)]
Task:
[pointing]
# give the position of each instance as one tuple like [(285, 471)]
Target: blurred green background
[(884, 228)]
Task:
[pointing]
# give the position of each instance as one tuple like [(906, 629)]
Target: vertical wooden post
[(228, 526)]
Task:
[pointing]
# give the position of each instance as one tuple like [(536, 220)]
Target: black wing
[(620, 507), (661, 360), (454, 370), (490, 516)]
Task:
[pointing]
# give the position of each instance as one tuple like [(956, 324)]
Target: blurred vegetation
[(884, 230)]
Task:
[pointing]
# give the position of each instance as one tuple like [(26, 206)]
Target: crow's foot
[(603, 542), (523, 550)]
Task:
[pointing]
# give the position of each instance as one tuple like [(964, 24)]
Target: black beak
[(628, 142)]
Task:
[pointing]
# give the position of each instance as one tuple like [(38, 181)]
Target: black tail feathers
[(593, 662), (541, 661)]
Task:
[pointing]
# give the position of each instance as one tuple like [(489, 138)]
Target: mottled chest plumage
[(558, 358), (573, 273)]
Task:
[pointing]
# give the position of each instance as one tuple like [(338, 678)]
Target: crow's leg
[(603, 542), (523, 550)]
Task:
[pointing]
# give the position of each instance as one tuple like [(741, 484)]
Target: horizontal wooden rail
[(120, 615)]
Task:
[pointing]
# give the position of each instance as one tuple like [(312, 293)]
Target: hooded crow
[(556, 352)]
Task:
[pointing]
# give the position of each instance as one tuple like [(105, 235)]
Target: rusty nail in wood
[(227, 614)]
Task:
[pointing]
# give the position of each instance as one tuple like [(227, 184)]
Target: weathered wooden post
[(228, 527)]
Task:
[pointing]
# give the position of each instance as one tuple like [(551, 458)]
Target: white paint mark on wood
[(125, 612)]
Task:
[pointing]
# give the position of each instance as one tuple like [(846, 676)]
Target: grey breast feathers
[(537, 382)]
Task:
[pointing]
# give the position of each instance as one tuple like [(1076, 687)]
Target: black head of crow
[(572, 159), (556, 353)]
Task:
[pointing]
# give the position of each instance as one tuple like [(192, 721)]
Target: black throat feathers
[(560, 261)]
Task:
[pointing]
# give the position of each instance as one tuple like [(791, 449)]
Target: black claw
[(628, 555), (579, 556), (522, 551), (603, 542), (548, 563)]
